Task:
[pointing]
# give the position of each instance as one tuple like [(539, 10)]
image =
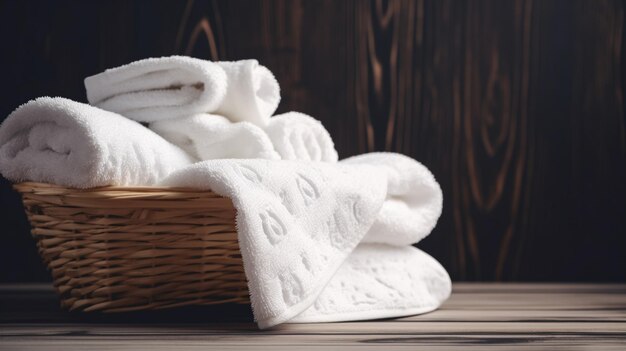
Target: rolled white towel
[(60, 141), (297, 136), (380, 281), (209, 137), (177, 86), (414, 199)]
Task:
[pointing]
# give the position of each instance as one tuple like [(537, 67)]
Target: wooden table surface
[(477, 317)]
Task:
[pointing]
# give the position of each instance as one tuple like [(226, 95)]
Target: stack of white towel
[(213, 110), (321, 240)]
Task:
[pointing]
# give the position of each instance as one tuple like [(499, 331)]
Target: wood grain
[(477, 317), (517, 106)]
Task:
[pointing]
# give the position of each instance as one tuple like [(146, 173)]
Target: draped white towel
[(60, 141), (298, 223)]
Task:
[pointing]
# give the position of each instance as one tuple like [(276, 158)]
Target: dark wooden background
[(517, 106)]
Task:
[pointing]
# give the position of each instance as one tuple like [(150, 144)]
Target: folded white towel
[(209, 137), (60, 141), (159, 88), (253, 93), (173, 87), (297, 222), (290, 136), (414, 199), (297, 136), (381, 281)]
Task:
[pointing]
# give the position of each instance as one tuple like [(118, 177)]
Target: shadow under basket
[(118, 249)]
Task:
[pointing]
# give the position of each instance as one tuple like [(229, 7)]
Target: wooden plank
[(491, 287), (386, 327), (528, 315), (492, 343), (458, 287), (477, 317), (239, 342)]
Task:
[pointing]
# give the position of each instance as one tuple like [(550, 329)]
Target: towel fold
[(297, 136), (209, 137), (60, 141), (253, 93), (296, 221), (380, 281), (174, 87), (414, 199)]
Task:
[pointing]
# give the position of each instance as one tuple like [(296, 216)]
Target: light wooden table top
[(477, 317)]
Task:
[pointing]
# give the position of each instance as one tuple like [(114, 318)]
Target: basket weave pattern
[(118, 249)]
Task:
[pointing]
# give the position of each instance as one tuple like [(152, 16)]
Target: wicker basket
[(119, 249)]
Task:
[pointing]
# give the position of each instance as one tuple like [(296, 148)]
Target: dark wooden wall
[(517, 106)]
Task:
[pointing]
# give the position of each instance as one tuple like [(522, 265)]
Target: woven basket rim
[(31, 186)]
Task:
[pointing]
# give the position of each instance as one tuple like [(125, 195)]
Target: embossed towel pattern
[(297, 223), (380, 281)]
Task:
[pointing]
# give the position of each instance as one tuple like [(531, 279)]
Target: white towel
[(297, 136), (290, 136), (173, 87), (209, 137), (394, 280), (159, 88), (297, 222), (60, 141), (381, 281), (414, 199)]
